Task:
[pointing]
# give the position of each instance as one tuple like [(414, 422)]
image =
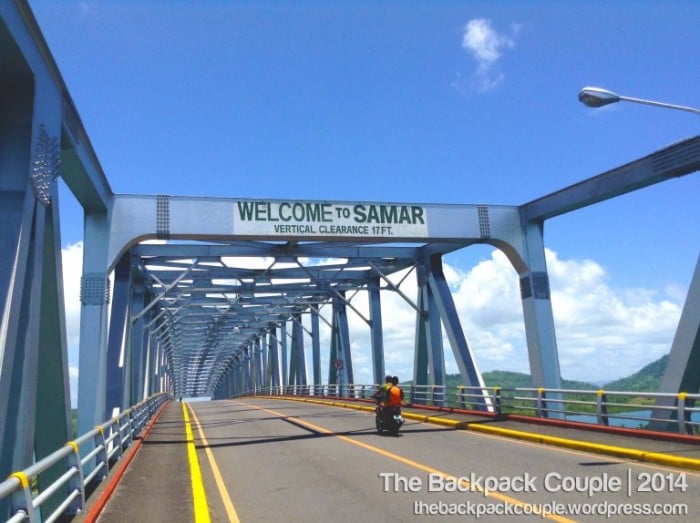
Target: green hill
[(648, 379), (507, 379)]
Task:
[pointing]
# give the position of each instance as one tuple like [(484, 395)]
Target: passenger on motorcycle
[(394, 395), (380, 395)]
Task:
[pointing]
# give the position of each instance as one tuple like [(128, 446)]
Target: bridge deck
[(283, 458)]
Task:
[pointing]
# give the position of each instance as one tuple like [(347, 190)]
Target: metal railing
[(609, 408), (103, 447)]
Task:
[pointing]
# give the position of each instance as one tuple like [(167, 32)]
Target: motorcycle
[(388, 419)]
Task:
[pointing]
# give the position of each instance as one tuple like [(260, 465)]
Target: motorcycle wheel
[(379, 422), (394, 428)]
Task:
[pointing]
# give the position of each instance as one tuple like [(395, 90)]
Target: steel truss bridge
[(190, 315)]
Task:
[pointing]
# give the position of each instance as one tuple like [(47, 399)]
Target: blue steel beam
[(376, 330), (118, 320), (537, 311), (422, 374), (297, 364), (33, 348), (675, 160), (444, 303), (315, 345), (681, 374), (273, 357)]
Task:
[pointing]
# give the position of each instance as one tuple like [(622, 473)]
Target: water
[(615, 421), (644, 416)]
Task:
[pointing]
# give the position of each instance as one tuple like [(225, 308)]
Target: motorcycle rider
[(380, 395), (394, 396)]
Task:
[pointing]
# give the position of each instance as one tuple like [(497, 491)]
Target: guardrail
[(103, 446), (587, 406)]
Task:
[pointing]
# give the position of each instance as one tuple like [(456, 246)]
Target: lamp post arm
[(661, 104)]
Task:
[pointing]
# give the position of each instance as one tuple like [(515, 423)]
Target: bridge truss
[(189, 315)]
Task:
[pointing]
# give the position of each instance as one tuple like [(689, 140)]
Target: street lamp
[(597, 97)]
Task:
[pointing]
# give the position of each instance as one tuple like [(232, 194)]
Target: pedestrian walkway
[(156, 486)]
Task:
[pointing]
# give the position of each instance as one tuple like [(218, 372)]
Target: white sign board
[(299, 218)]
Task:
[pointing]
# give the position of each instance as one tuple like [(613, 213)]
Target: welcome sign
[(299, 218)]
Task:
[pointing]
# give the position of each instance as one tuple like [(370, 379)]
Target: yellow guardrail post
[(21, 500), (77, 481), (540, 403), (497, 400), (682, 413), (602, 408)]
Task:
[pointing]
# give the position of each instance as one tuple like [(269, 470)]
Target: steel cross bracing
[(210, 311)]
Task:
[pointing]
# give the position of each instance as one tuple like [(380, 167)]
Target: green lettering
[(417, 215), (245, 210), (387, 214), (360, 216)]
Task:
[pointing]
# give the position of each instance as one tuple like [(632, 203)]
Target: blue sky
[(426, 102)]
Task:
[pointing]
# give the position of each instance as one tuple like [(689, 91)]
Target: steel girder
[(215, 314), (681, 374), (34, 391)]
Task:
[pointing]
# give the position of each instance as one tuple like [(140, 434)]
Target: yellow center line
[(415, 464), (201, 509), (223, 492)]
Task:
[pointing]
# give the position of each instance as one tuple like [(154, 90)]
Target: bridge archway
[(240, 320)]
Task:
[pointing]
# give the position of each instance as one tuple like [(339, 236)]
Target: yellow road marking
[(630, 454), (228, 504), (586, 453), (201, 509), (415, 464)]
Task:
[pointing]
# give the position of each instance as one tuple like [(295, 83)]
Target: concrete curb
[(608, 450)]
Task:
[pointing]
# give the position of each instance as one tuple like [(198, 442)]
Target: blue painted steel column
[(273, 358), (429, 364), (445, 305), (537, 310), (316, 346), (340, 345), (264, 344), (376, 331), (422, 374), (297, 366), (152, 373), (33, 349), (283, 353), (115, 342), (16, 445), (682, 370), (258, 344), (245, 364), (94, 297), (135, 347), (252, 385)]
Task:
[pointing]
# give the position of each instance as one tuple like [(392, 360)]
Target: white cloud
[(486, 46), (72, 260), (603, 333)]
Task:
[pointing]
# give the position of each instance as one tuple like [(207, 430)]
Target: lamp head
[(597, 97)]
